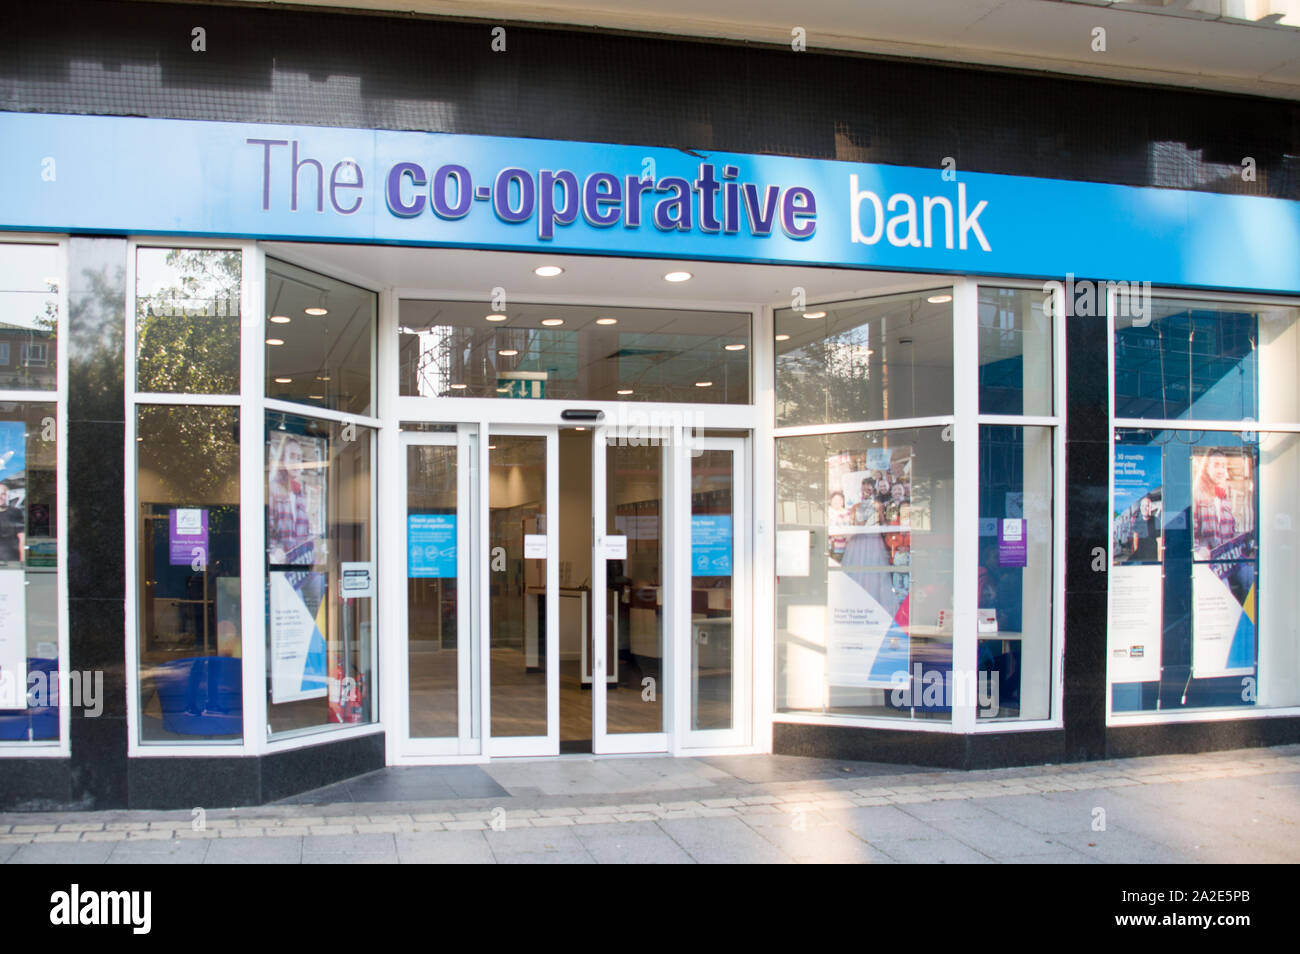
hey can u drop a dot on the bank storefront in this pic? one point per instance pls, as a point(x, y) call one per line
point(442, 448)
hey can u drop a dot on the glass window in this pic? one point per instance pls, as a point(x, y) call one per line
point(864, 574)
point(1014, 606)
point(572, 352)
point(1203, 600)
point(1015, 352)
point(320, 573)
point(320, 335)
point(187, 320)
point(29, 312)
point(869, 360)
point(29, 665)
point(1203, 594)
point(1203, 361)
point(188, 599)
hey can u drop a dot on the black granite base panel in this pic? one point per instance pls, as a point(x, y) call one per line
point(177, 783)
point(35, 785)
point(1137, 740)
point(301, 770)
point(931, 749)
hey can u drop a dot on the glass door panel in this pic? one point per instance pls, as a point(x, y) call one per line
point(441, 663)
point(718, 625)
point(629, 503)
point(523, 620)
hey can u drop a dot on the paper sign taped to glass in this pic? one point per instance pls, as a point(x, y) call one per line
point(1136, 603)
point(298, 659)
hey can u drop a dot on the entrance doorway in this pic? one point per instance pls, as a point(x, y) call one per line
point(572, 590)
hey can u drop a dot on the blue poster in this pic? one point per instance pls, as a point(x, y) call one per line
point(1138, 520)
point(431, 545)
point(711, 544)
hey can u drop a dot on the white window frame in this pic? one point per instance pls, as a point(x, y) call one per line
point(62, 747)
point(965, 422)
point(252, 405)
point(1212, 713)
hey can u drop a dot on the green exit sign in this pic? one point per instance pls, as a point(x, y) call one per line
point(521, 384)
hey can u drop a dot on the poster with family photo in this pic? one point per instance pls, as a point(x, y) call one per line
point(869, 538)
point(295, 499)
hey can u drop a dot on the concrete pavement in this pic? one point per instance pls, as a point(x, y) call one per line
point(1241, 806)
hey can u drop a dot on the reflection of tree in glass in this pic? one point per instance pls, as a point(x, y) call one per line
point(827, 379)
point(191, 452)
point(187, 333)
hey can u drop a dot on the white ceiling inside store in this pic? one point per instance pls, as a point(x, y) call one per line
point(472, 275)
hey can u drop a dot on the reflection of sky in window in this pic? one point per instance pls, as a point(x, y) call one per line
point(28, 284)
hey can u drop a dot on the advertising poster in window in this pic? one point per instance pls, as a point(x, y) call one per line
point(298, 626)
point(13, 492)
point(1137, 576)
point(13, 527)
point(296, 467)
point(1225, 549)
point(869, 532)
point(1139, 505)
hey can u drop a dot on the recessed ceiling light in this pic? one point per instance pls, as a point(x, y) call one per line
point(579, 428)
point(552, 322)
point(316, 312)
point(503, 390)
point(704, 384)
point(678, 277)
point(507, 352)
point(284, 380)
point(813, 315)
point(459, 387)
point(316, 397)
point(496, 317)
point(275, 341)
point(548, 271)
point(280, 319)
point(625, 391)
point(733, 347)
point(606, 321)
point(322, 377)
point(782, 337)
point(492, 447)
point(140, 439)
point(939, 299)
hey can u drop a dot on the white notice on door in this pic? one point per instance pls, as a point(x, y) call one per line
point(616, 548)
point(534, 546)
point(792, 552)
point(358, 580)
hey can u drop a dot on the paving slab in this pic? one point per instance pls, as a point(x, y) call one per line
point(722, 841)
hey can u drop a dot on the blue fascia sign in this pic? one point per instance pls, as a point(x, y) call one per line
point(309, 183)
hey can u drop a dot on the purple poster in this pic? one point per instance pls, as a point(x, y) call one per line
point(188, 531)
point(1012, 544)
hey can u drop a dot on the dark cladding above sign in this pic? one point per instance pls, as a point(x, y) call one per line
point(143, 176)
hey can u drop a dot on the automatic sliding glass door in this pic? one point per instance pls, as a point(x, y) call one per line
point(520, 558)
point(631, 654)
